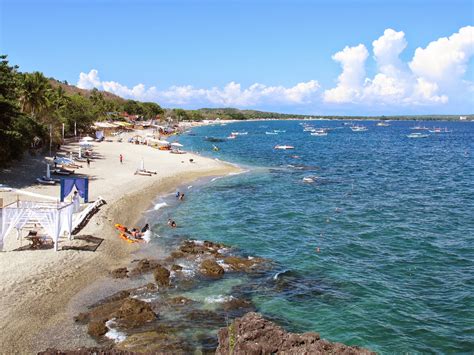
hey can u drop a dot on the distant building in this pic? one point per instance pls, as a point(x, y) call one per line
point(462, 118)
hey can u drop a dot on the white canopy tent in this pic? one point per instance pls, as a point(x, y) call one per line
point(55, 218)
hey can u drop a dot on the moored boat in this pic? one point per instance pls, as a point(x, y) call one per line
point(283, 147)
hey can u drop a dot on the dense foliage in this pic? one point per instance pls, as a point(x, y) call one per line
point(33, 106)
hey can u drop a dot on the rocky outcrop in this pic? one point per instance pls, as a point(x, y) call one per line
point(162, 275)
point(254, 335)
point(129, 313)
point(237, 263)
point(96, 329)
point(210, 267)
point(144, 266)
point(134, 313)
point(119, 273)
point(195, 247)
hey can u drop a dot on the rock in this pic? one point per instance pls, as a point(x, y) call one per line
point(206, 247)
point(210, 267)
point(237, 303)
point(153, 342)
point(177, 254)
point(206, 318)
point(180, 301)
point(175, 267)
point(134, 313)
point(144, 266)
point(151, 286)
point(119, 273)
point(252, 334)
point(97, 329)
point(162, 275)
point(242, 264)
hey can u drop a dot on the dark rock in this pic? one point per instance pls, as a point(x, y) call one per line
point(210, 267)
point(153, 342)
point(242, 264)
point(97, 329)
point(180, 301)
point(206, 247)
point(151, 286)
point(206, 318)
point(162, 275)
point(177, 254)
point(144, 266)
point(252, 334)
point(237, 303)
point(134, 313)
point(175, 267)
point(119, 273)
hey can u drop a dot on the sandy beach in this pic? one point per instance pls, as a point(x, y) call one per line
point(37, 286)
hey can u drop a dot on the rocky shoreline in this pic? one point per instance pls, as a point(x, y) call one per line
point(157, 318)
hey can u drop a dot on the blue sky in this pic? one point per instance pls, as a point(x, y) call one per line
point(212, 53)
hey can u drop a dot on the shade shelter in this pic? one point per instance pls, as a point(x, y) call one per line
point(54, 217)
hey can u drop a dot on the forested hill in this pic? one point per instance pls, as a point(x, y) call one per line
point(236, 114)
point(71, 90)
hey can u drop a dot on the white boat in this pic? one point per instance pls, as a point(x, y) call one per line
point(439, 130)
point(417, 135)
point(231, 137)
point(383, 124)
point(239, 133)
point(274, 133)
point(279, 131)
point(284, 147)
point(308, 179)
point(319, 134)
point(358, 128)
point(419, 128)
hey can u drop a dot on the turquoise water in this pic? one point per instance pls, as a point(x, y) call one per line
point(393, 219)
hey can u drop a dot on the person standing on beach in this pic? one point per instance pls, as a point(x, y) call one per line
point(121, 159)
point(88, 163)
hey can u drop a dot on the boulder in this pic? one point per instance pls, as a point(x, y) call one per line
point(210, 267)
point(237, 303)
point(180, 301)
point(153, 342)
point(253, 334)
point(134, 313)
point(176, 267)
point(144, 266)
point(97, 329)
point(162, 275)
point(238, 263)
point(119, 273)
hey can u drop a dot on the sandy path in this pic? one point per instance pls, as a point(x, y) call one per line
point(36, 286)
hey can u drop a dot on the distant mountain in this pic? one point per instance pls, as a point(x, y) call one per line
point(71, 89)
point(236, 114)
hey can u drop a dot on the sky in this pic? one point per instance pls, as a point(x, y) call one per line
point(336, 57)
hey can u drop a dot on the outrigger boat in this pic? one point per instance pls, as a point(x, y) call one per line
point(284, 147)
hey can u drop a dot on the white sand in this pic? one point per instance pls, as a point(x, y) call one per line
point(37, 286)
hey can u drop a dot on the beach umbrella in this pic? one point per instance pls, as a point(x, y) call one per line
point(87, 139)
point(176, 144)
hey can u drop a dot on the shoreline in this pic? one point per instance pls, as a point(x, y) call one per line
point(35, 311)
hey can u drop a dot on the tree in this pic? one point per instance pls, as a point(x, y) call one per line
point(34, 93)
point(133, 107)
point(151, 110)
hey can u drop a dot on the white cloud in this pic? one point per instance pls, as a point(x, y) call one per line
point(231, 94)
point(350, 81)
point(445, 59)
point(434, 74)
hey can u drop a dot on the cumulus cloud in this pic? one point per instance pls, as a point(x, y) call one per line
point(428, 78)
point(433, 75)
point(349, 84)
point(231, 94)
point(445, 59)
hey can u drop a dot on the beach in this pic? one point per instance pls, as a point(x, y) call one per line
point(38, 285)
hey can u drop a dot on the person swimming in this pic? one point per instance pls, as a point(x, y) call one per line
point(171, 223)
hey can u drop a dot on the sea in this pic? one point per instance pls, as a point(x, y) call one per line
point(370, 234)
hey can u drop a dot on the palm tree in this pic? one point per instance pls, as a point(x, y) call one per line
point(34, 93)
